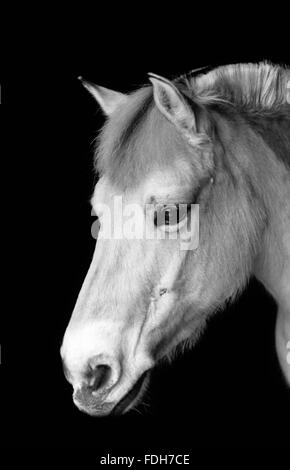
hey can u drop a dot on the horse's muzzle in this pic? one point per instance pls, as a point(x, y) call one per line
point(89, 401)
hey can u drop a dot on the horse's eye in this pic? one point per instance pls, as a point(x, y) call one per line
point(167, 217)
point(170, 215)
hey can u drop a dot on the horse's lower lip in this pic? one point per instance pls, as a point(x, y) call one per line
point(103, 410)
point(123, 404)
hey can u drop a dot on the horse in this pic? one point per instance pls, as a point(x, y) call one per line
point(217, 140)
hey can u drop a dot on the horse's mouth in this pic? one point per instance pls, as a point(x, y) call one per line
point(132, 396)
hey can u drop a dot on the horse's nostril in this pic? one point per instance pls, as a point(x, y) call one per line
point(98, 377)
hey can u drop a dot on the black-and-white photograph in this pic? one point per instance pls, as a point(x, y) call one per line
point(148, 312)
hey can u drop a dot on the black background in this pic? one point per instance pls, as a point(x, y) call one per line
point(228, 391)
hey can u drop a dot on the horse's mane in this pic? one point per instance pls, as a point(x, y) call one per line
point(253, 87)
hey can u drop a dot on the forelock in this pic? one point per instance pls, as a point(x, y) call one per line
point(135, 140)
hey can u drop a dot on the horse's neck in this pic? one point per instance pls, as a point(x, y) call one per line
point(273, 263)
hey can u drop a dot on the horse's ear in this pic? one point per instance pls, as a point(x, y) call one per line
point(172, 104)
point(109, 100)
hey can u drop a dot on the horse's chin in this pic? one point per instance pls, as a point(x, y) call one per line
point(133, 396)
